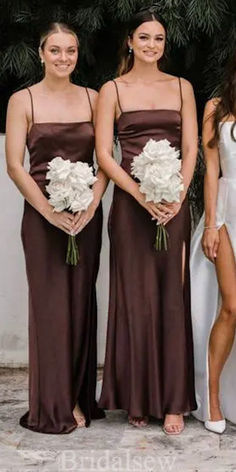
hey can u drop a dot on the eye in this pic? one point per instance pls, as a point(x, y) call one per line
point(143, 37)
point(54, 51)
point(72, 51)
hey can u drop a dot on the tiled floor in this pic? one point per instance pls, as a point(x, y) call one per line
point(108, 445)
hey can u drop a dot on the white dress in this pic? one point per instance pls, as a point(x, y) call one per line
point(205, 296)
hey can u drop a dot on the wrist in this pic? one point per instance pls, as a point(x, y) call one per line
point(94, 204)
point(136, 193)
point(210, 227)
point(47, 212)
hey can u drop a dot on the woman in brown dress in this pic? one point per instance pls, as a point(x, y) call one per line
point(149, 354)
point(55, 118)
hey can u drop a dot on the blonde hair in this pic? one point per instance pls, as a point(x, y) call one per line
point(56, 28)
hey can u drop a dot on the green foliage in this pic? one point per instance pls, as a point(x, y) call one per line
point(201, 39)
point(193, 26)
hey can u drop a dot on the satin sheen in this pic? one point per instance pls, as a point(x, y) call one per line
point(206, 300)
point(149, 353)
point(62, 298)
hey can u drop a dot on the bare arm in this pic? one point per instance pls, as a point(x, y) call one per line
point(210, 240)
point(16, 132)
point(106, 113)
point(82, 218)
point(189, 144)
point(101, 184)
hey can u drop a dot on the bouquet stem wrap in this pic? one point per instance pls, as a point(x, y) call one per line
point(157, 168)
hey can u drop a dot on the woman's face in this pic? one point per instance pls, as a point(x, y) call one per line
point(148, 42)
point(60, 54)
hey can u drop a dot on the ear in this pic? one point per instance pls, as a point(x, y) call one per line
point(40, 54)
point(130, 42)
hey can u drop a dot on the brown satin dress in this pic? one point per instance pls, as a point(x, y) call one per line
point(62, 298)
point(149, 354)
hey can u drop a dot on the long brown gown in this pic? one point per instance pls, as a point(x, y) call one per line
point(62, 298)
point(149, 354)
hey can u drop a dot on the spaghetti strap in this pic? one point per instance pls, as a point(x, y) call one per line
point(118, 97)
point(181, 94)
point(90, 104)
point(32, 104)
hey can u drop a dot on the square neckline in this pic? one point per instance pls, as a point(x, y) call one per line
point(58, 123)
point(146, 110)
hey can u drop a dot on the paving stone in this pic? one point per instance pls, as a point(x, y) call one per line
point(108, 445)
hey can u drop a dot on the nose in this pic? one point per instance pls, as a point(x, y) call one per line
point(151, 43)
point(63, 56)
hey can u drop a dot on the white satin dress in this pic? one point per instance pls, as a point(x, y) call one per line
point(205, 296)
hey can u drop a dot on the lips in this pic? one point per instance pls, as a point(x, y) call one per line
point(62, 66)
point(150, 53)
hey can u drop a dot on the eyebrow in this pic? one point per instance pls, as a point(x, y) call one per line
point(158, 34)
point(68, 47)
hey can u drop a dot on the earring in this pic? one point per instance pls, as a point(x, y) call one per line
point(130, 50)
point(42, 61)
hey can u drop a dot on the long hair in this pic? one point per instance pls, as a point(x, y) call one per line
point(56, 28)
point(142, 16)
point(226, 106)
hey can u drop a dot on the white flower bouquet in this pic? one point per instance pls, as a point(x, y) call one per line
point(69, 189)
point(158, 170)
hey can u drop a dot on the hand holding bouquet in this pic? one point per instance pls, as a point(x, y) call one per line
point(158, 170)
point(70, 189)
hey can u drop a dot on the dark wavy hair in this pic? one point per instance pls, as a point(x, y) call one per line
point(141, 16)
point(226, 105)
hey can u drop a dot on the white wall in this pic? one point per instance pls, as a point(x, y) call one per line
point(13, 285)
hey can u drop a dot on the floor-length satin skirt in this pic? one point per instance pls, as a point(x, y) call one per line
point(149, 358)
point(62, 324)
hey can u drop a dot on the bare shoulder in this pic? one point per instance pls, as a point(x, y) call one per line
point(18, 99)
point(108, 86)
point(19, 104)
point(211, 105)
point(93, 93)
point(108, 91)
point(186, 86)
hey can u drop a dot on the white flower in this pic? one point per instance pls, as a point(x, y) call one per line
point(60, 194)
point(81, 200)
point(81, 175)
point(158, 170)
point(59, 169)
point(69, 185)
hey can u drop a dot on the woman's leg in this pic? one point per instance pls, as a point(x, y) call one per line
point(223, 331)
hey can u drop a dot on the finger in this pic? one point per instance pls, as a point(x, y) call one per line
point(158, 214)
point(69, 216)
point(82, 226)
point(68, 225)
point(215, 248)
point(211, 253)
point(165, 209)
point(77, 217)
point(64, 229)
point(154, 216)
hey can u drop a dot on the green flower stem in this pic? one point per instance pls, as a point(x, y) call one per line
point(68, 250)
point(161, 238)
point(72, 256)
